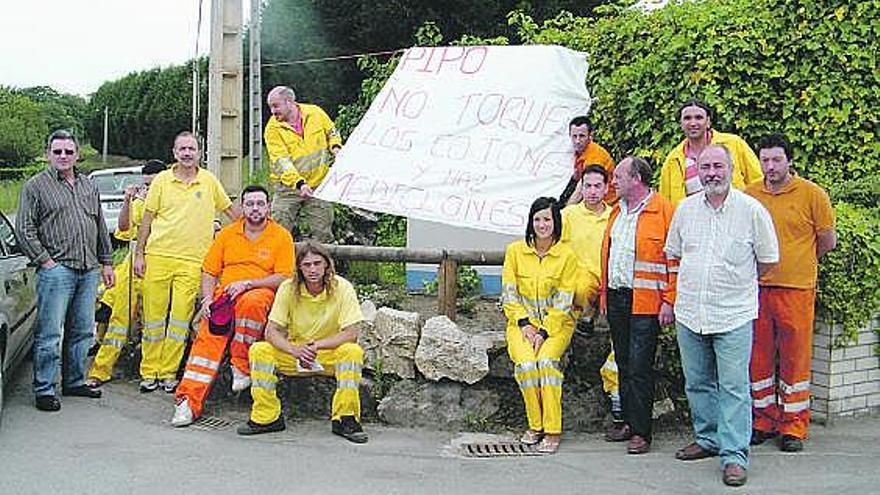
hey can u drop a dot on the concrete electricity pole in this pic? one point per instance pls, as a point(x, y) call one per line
point(255, 148)
point(225, 94)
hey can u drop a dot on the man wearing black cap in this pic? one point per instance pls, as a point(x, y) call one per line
point(246, 263)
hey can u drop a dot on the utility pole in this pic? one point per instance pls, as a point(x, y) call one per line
point(225, 94)
point(255, 148)
point(106, 130)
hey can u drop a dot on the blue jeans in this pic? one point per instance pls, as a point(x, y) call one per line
point(716, 372)
point(65, 299)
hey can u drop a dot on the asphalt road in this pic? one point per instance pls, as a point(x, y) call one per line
point(123, 443)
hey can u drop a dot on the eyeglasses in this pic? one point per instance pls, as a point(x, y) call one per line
point(66, 152)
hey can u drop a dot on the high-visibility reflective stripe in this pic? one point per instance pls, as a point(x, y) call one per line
point(178, 323)
point(248, 323)
point(242, 337)
point(152, 338)
point(549, 363)
point(348, 366)
point(764, 402)
point(266, 384)
point(311, 164)
point(762, 384)
point(120, 331)
point(154, 324)
point(282, 165)
point(796, 406)
point(117, 343)
point(673, 269)
point(176, 336)
point(562, 301)
point(198, 377)
point(204, 362)
point(642, 283)
point(347, 384)
point(530, 383)
point(645, 266)
point(797, 387)
point(525, 367)
point(264, 367)
point(551, 381)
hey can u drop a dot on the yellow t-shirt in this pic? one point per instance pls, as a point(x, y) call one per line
point(583, 231)
point(183, 214)
point(309, 318)
point(135, 215)
point(800, 211)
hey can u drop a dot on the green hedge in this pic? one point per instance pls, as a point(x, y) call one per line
point(807, 69)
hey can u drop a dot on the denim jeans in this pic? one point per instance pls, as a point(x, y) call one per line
point(635, 344)
point(716, 372)
point(65, 299)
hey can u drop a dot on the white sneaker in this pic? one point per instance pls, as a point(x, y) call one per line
point(169, 384)
point(240, 381)
point(148, 385)
point(183, 415)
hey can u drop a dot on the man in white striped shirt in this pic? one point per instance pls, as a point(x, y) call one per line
point(723, 238)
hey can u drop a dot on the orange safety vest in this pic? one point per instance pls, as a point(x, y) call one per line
point(654, 276)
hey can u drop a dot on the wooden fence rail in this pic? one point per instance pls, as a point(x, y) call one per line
point(447, 275)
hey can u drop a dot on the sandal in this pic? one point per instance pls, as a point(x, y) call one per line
point(549, 445)
point(93, 382)
point(531, 437)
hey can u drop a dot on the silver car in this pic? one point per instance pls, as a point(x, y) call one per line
point(111, 184)
point(18, 304)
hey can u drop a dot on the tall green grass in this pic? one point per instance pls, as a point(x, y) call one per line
point(9, 191)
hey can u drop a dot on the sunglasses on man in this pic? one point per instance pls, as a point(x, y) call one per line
point(66, 152)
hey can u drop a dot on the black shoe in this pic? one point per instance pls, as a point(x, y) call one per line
point(251, 428)
point(47, 403)
point(791, 443)
point(759, 437)
point(93, 350)
point(348, 428)
point(81, 391)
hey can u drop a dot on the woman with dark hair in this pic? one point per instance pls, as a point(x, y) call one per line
point(538, 283)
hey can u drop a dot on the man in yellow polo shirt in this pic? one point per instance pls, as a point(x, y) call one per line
point(583, 228)
point(301, 141)
point(679, 177)
point(313, 328)
point(175, 234)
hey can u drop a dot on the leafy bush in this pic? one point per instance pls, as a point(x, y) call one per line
point(22, 128)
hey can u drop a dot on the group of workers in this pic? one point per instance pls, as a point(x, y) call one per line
point(726, 249)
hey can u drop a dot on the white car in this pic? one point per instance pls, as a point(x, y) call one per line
point(111, 184)
point(18, 304)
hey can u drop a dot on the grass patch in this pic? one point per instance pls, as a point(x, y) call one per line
point(9, 191)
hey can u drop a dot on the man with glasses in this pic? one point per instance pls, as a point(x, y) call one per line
point(62, 231)
point(246, 263)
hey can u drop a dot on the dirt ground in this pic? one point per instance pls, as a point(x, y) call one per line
point(481, 314)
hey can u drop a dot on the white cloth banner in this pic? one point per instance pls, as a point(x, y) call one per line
point(466, 136)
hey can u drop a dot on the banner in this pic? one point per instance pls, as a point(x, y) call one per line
point(465, 135)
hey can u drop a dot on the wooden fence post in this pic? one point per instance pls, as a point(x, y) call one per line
point(447, 284)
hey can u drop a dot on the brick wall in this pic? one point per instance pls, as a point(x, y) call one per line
point(846, 381)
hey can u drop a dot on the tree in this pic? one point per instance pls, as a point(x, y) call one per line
point(22, 128)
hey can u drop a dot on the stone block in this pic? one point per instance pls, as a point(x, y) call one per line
point(868, 337)
point(820, 379)
point(868, 363)
point(855, 377)
point(368, 308)
point(858, 351)
point(874, 374)
point(445, 351)
point(874, 400)
point(821, 365)
point(837, 355)
point(842, 366)
point(820, 391)
point(444, 405)
point(854, 404)
point(841, 392)
point(866, 388)
point(821, 341)
point(834, 407)
point(392, 340)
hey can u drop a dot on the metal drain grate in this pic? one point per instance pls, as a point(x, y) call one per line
point(497, 450)
point(211, 423)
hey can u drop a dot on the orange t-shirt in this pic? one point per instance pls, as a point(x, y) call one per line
point(234, 257)
point(800, 211)
point(595, 154)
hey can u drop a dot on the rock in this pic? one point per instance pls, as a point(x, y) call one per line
point(445, 351)
point(390, 343)
point(662, 408)
point(444, 405)
point(369, 311)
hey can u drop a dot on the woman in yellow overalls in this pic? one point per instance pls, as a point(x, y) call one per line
point(538, 285)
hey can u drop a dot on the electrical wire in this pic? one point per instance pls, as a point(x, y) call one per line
point(330, 59)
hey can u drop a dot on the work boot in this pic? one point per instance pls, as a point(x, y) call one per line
point(348, 428)
point(47, 403)
point(81, 391)
point(183, 415)
point(240, 381)
point(148, 385)
point(790, 443)
point(252, 428)
point(759, 437)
